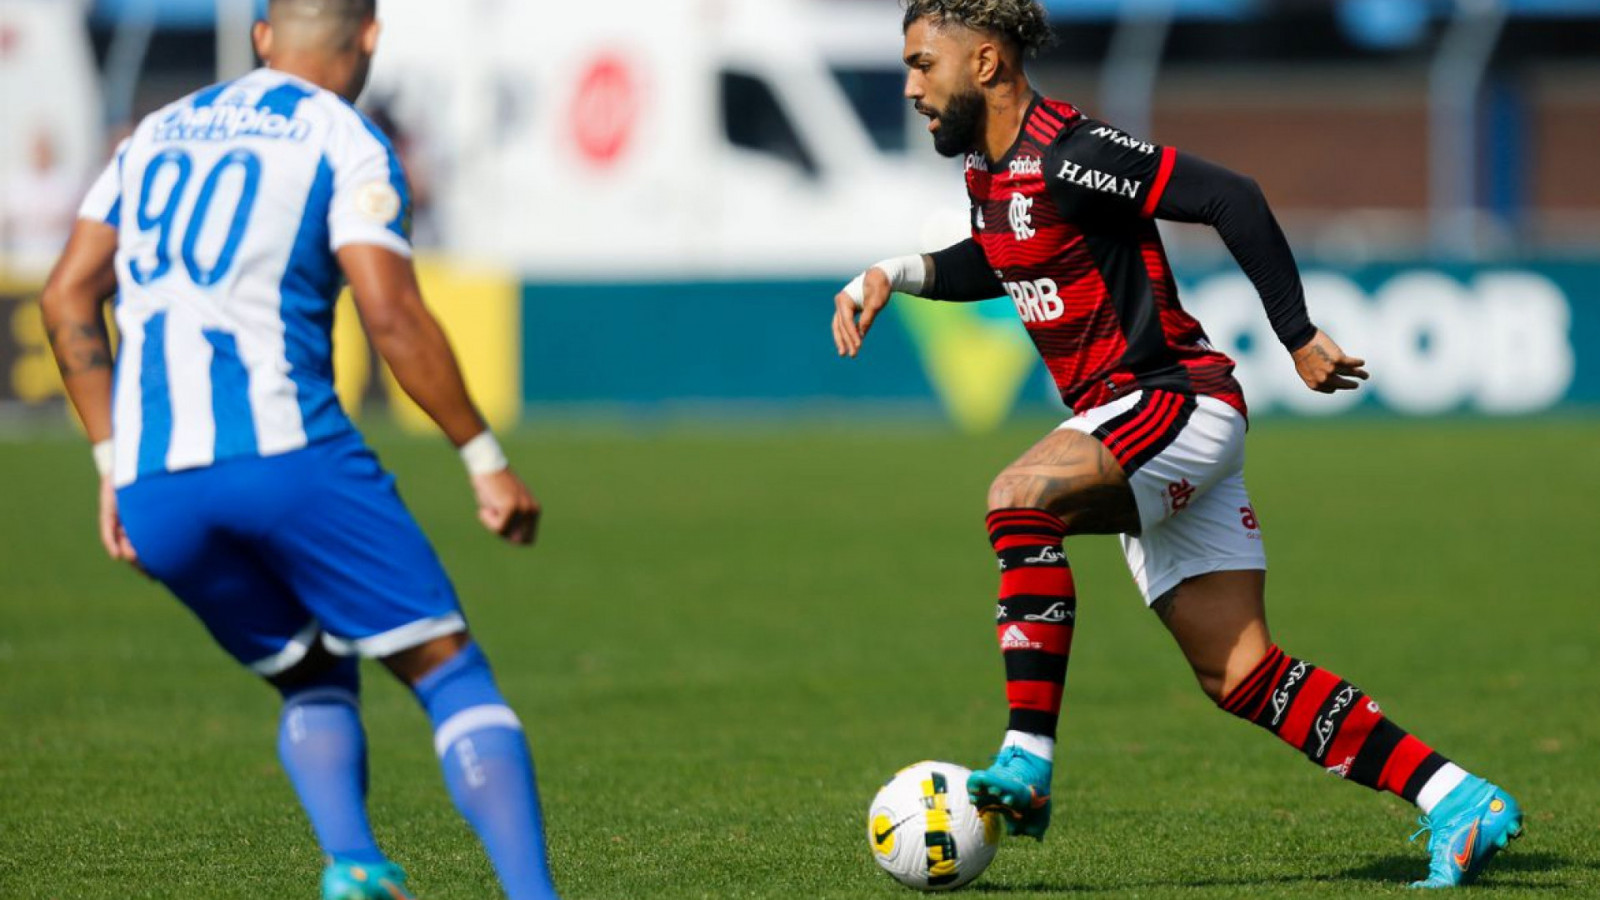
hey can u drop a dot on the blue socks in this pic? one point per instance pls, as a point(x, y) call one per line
point(488, 770)
point(485, 758)
point(324, 750)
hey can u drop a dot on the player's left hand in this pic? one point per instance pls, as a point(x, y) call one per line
point(847, 332)
point(506, 506)
point(112, 537)
point(1325, 368)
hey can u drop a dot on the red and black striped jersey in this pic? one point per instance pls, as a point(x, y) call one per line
point(1066, 222)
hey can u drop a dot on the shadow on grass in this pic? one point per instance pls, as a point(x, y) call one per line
point(1394, 871)
point(1504, 871)
point(1121, 887)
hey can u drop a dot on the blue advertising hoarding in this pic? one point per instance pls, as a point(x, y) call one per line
point(1439, 339)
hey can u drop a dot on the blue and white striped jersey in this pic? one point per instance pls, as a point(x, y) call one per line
point(229, 206)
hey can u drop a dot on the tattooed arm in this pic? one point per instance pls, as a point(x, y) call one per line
point(75, 324)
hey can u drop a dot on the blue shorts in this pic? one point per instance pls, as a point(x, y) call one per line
point(275, 553)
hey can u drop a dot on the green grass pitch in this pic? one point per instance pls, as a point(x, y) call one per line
point(726, 640)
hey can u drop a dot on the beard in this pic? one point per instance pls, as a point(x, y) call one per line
point(959, 124)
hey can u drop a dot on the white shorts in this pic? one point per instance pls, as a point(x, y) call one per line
point(1184, 457)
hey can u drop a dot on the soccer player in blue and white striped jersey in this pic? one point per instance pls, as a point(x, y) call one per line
point(224, 227)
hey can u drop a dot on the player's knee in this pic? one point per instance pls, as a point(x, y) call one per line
point(1012, 490)
point(1019, 490)
point(319, 668)
point(1005, 492)
point(416, 663)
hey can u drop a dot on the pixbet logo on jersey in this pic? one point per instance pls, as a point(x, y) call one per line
point(1037, 300)
point(1027, 165)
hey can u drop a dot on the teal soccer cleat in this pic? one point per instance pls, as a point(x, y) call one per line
point(1470, 825)
point(364, 881)
point(1017, 785)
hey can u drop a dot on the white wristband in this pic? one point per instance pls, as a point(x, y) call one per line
point(907, 274)
point(103, 456)
point(482, 455)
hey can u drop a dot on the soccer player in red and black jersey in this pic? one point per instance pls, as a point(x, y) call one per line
point(1063, 222)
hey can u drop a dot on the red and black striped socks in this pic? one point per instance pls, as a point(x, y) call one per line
point(1034, 620)
point(1338, 727)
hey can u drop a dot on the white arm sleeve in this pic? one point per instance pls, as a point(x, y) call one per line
point(104, 200)
point(371, 201)
point(907, 275)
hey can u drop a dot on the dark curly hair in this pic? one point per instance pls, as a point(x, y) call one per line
point(1021, 22)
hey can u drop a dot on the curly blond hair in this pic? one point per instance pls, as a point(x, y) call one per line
point(1022, 22)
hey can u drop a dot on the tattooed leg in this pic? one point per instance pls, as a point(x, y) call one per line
point(1072, 476)
point(1067, 483)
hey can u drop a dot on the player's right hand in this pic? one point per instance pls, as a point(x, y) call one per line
point(506, 506)
point(112, 537)
point(1325, 368)
point(848, 333)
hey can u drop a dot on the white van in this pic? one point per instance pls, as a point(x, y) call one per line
point(638, 139)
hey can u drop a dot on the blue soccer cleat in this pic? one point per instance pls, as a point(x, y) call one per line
point(364, 881)
point(1470, 825)
point(1017, 785)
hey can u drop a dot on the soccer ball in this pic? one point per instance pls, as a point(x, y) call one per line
point(925, 832)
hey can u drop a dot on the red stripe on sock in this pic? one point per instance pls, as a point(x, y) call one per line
point(1025, 539)
point(1277, 676)
point(1353, 732)
point(1407, 755)
point(1303, 709)
point(1040, 581)
point(1025, 517)
point(1252, 681)
point(1040, 696)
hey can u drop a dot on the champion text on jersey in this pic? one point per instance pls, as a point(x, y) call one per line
point(225, 122)
point(1022, 216)
point(1122, 140)
point(1094, 179)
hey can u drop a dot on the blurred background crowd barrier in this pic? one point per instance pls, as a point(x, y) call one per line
point(644, 207)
